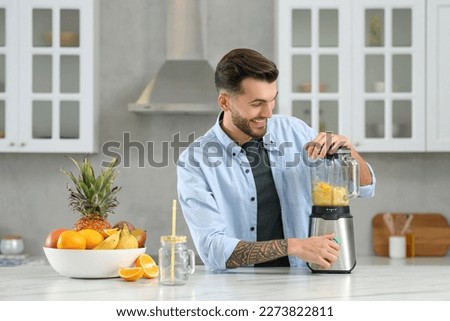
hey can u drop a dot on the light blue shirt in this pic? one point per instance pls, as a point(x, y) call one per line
point(217, 192)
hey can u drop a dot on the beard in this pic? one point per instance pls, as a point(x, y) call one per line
point(244, 125)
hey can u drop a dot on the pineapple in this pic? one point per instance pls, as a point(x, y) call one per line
point(93, 197)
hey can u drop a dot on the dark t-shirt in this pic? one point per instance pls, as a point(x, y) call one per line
point(269, 223)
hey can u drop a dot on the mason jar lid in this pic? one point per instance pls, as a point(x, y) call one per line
point(173, 239)
point(12, 237)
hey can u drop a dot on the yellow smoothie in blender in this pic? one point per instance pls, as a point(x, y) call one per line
point(325, 194)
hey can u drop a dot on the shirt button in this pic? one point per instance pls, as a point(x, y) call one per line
point(252, 199)
point(234, 154)
point(252, 228)
point(247, 171)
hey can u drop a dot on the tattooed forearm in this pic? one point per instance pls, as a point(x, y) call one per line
point(249, 253)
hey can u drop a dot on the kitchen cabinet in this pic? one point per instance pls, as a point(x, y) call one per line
point(389, 75)
point(365, 69)
point(438, 75)
point(48, 76)
point(314, 59)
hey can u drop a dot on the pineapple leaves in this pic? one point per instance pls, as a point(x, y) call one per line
point(76, 163)
point(71, 176)
point(87, 172)
point(92, 195)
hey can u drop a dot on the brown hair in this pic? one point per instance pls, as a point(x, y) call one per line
point(240, 64)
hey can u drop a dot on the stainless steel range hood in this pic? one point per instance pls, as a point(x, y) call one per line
point(185, 81)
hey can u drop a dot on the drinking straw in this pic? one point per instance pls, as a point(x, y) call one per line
point(174, 217)
point(172, 256)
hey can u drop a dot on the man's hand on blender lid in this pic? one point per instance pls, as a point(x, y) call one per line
point(326, 143)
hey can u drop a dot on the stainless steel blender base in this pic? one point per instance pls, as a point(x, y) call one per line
point(318, 269)
point(343, 228)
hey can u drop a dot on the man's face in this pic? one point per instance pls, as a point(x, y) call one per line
point(251, 109)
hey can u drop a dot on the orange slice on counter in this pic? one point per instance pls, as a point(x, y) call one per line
point(131, 273)
point(145, 261)
point(151, 272)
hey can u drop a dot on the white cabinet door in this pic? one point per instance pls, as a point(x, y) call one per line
point(313, 57)
point(438, 75)
point(380, 54)
point(9, 78)
point(389, 75)
point(52, 102)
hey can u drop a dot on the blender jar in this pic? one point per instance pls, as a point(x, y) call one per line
point(335, 179)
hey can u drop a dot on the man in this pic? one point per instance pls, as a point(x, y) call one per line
point(245, 187)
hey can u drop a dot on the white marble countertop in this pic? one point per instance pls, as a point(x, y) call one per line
point(374, 278)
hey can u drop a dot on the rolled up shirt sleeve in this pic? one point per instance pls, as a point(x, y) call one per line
point(207, 225)
point(368, 191)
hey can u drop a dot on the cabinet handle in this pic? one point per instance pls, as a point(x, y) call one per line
point(22, 144)
point(11, 144)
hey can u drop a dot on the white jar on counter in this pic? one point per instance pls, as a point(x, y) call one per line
point(397, 247)
point(11, 244)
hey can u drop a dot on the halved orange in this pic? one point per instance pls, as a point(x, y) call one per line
point(151, 272)
point(131, 273)
point(145, 261)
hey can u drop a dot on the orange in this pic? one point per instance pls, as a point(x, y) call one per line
point(145, 261)
point(71, 240)
point(52, 237)
point(131, 273)
point(151, 272)
point(93, 237)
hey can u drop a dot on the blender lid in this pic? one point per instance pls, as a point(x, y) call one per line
point(339, 152)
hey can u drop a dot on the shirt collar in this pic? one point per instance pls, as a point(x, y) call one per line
point(268, 139)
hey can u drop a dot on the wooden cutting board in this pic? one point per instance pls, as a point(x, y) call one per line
point(431, 230)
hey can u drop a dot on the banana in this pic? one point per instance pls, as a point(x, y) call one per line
point(127, 241)
point(110, 243)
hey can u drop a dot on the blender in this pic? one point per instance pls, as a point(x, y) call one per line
point(334, 181)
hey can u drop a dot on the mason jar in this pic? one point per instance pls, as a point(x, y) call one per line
point(175, 260)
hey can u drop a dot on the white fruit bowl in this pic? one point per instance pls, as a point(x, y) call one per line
point(91, 263)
